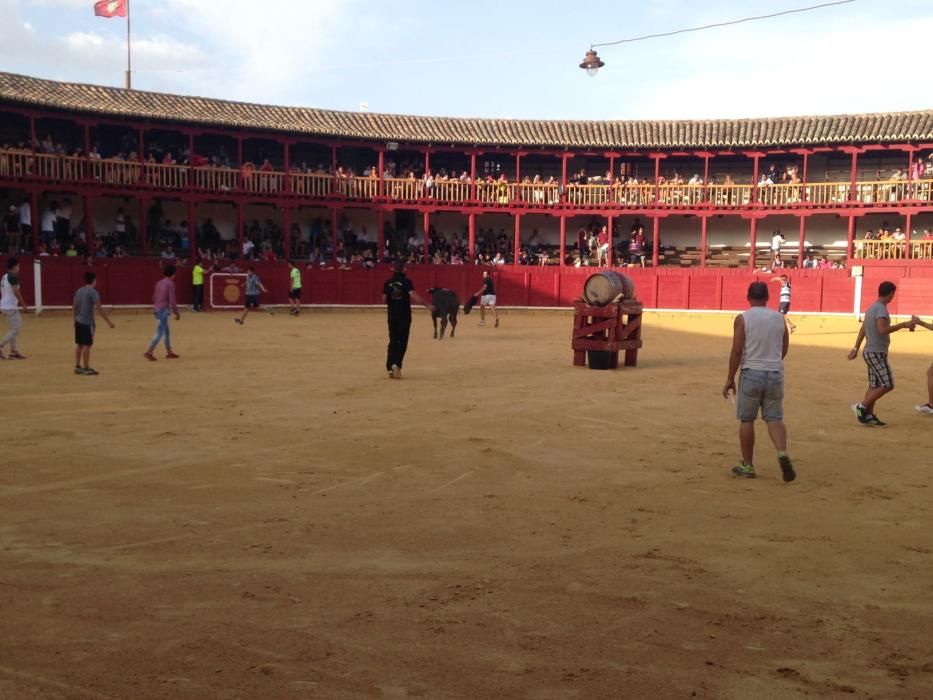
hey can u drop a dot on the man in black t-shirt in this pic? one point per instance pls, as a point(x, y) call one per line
point(398, 292)
point(487, 297)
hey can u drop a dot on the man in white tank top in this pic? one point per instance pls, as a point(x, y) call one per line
point(759, 344)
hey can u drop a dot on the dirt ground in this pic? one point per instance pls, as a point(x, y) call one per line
point(270, 517)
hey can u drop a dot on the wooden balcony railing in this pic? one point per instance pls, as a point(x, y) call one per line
point(880, 250)
point(17, 163)
point(312, 185)
point(921, 250)
point(215, 179)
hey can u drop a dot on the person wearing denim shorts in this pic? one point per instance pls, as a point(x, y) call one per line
point(759, 345)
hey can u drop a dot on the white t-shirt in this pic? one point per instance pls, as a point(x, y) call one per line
point(8, 300)
point(119, 224)
point(776, 242)
point(785, 292)
point(25, 215)
point(64, 211)
point(48, 220)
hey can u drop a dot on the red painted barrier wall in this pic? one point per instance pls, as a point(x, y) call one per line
point(130, 281)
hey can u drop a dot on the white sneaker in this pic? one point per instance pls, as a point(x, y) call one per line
point(482, 323)
point(396, 371)
point(924, 408)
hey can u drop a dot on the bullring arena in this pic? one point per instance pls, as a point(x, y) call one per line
point(269, 517)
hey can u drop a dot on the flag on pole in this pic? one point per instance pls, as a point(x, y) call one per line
point(110, 8)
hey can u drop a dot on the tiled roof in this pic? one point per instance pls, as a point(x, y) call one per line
point(712, 133)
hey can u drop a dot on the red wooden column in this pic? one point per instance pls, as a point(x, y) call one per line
point(427, 236)
point(334, 222)
point(239, 229)
point(704, 243)
point(380, 233)
point(88, 223)
point(802, 241)
point(427, 160)
point(609, 220)
point(381, 164)
point(563, 240)
point(563, 174)
point(854, 176)
point(472, 179)
point(657, 175)
point(655, 241)
point(288, 168)
point(804, 197)
point(471, 227)
point(850, 237)
point(87, 140)
point(910, 178)
point(142, 155)
point(908, 222)
point(143, 228)
point(287, 232)
point(518, 167)
point(705, 198)
point(192, 231)
point(753, 242)
point(36, 221)
point(333, 169)
point(756, 158)
point(517, 243)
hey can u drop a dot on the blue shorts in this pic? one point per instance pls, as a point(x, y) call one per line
point(760, 390)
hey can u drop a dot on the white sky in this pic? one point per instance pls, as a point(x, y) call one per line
point(492, 58)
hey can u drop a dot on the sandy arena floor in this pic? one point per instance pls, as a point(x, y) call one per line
point(270, 517)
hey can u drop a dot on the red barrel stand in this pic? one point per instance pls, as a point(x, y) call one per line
point(609, 328)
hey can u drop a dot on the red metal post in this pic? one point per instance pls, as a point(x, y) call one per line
point(192, 230)
point(240, 233)
point(380, 232)
point(656, 241)
point(381, 164)
point(471, 226)
point(427, 236)
point(517, 243)
point(704, 244)
point(803, 240)
point(563, 240)
point(753, 242)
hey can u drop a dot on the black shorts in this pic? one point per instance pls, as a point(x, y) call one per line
point(252, 301)
point(84, 334)
point(295, 293)
point(784, 307)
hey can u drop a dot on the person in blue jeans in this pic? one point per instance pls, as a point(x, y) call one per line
point(759, 344)
point(163, 305)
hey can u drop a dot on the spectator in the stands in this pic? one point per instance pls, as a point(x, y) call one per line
point(168, 253)
point(777, 240)
point(809, 262)
point(72, 252)
point(636, 249)
point(63, 222)
point(499, 259)
point(47, 222)
point(899, 235)
point(869, 236)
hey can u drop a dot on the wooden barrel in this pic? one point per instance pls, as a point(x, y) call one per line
point(607, 287)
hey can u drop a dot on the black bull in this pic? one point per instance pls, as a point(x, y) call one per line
point(446, 305)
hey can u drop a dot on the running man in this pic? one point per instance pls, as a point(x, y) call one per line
point(784, 305)
point(253, 289)
point(163, 304)
point(759, 346)
point(10, 300)
point(86, 302)
point(487, 297)
point(926, 408)
point(876, 330)
point(294, 292)
point(397, 293)
point(197, 285)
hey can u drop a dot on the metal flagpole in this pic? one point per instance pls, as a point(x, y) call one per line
point(129, 85)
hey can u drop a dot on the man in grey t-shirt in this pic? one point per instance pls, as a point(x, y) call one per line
point(877, 330)
point(86, 302)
